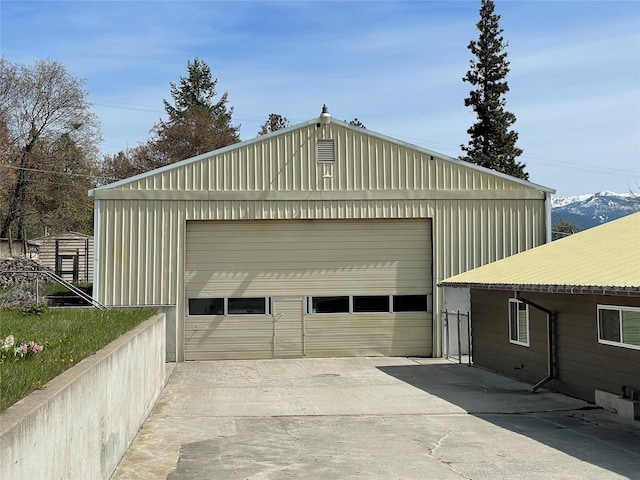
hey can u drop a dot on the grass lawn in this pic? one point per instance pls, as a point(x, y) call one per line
point(67, 334)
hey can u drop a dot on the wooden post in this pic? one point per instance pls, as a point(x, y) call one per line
point(10, 244)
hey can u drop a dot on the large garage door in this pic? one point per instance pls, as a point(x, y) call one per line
point(318, 288)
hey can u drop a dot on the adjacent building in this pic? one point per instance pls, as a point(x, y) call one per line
point(565, 315)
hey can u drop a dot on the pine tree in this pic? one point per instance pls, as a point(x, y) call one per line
point(274, 123)
point(197, 123)
point(493, 143)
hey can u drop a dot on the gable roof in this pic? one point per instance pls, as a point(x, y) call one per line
point(603, 259)
point(304, 125)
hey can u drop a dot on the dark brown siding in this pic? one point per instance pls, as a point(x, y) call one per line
point(491, 346)
point(582, 364)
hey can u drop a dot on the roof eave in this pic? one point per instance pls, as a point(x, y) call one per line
point(550, 288)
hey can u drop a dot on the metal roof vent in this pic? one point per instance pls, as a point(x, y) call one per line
point(325, 150)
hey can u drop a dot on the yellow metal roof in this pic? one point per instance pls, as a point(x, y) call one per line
point(603, 259)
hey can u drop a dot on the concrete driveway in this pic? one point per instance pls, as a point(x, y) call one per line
point(372, 418)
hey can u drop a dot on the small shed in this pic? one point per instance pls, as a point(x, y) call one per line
point(69, 255)
point(322, 239)
point(565, 315)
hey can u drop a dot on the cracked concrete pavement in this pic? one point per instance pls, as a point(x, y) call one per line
point(372, 418)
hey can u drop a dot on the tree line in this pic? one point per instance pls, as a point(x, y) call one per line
point(50, 138)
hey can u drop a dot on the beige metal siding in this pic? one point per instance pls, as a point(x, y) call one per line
point(68, 244)
point(287, 163)
point(141, 241)
point(476, 216)
point(311, 258)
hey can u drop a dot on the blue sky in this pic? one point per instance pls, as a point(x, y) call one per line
point(397, 66)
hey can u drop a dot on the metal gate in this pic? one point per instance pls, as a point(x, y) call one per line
point(456, 335)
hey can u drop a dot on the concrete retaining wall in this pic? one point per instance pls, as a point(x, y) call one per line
point(82, 422)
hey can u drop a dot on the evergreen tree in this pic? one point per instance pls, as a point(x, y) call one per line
point(197, 123)
point(562, 227)
point(274, 122)
point(493, 143)
point(357, 123)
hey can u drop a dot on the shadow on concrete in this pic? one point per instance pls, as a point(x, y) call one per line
point(566, 424)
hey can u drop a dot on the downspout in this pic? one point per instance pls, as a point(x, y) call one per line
point(551, 319)
point(547, 215)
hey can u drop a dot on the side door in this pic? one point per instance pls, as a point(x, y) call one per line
point(288, 327)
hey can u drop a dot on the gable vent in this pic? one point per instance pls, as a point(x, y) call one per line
point(325, 151)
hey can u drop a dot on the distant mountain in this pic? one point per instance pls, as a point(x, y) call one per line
point(589, 210)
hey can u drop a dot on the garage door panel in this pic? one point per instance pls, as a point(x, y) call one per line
point(368, 321)
point(370, 349)
point(230, 259)
point(203, 355)
point(369, 334)
point(221, 337)
point(283, 285)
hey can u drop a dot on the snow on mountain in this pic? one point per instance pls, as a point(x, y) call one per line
point(589, 210)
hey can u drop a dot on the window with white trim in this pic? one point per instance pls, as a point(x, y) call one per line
point(369, 304)
point(335, 304)
point(518, 322)
point(230, 306)
point(206, 306)
point(619, 326)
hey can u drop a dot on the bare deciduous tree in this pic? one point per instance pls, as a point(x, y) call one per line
point(41, 105)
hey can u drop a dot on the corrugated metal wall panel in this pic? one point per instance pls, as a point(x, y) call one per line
point(288, 163)
point(147, 235)
point(469, 234)
point(138, 250)
point(142, 236)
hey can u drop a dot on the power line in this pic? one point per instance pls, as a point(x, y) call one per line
point(562, 164)
point(620, 172)
point(46, 182)
point(95, 178)
point(53, 172)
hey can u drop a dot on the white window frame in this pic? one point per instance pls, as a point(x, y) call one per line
point(226, 313)
point(619, 309)
point(518, 341)
point(351, 311)
point(309, 303)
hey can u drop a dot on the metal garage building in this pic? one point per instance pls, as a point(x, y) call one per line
point(322, 239)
